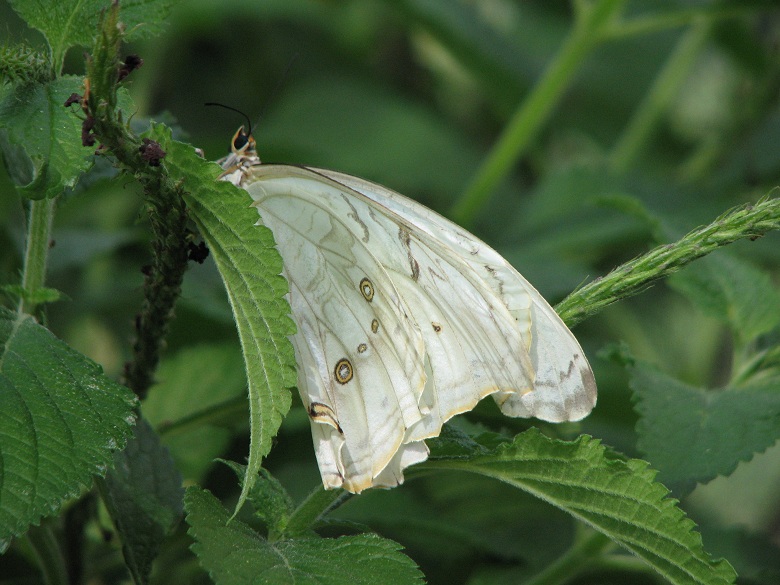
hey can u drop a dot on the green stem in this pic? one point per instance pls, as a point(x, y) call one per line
point(317, 503)
point(656, 102)
point(675, 18)
point(37, 253)
point(214, 415)
point(48, 555)
point(537, 107)
point(574, 561)
point(751, 221)
point(162, 286)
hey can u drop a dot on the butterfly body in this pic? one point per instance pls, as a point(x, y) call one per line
point(404, 320)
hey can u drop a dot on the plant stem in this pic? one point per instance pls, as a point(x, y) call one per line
point(216, 414)
point(659, 21)
point(536, 108)
point(750, 221)
point(48, 554)
point(656, 102)
point(574, 561)
point(162, 285)
point(37, 253)
point(317, 503)
point(163, 198)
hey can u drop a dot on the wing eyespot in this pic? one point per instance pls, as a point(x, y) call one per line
point(367, 289)
point(343, 371)
point(362, 348)
point(436, 327)
point(374, 326)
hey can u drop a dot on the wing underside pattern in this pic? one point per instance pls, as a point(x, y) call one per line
point(405, 320)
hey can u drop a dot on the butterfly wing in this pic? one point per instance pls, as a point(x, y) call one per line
point(564, 388)
point(385, 291)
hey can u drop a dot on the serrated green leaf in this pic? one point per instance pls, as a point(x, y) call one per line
point(251, 268)
point(43, 144)
point(453, 443)
point(733, 291)
point(620, 499)
point(197, 389)
point(693, 435)
point(144, 496)
point(272, 504)
point(233, 554)
point(60, 421)
point(68, 24)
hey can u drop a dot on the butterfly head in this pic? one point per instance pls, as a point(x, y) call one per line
point(243, 155)
point(243, 144)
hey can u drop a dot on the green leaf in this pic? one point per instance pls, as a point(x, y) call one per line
point(143, 494)
point(693, 435)
point(453, 443)
point(36, 297)
point(144, 18)
point(250, 267)
point(233, 554)
point(200, 391)
point(272, 504)
point(42, 146)
point(734, 291)
point(617, 498)
point(60, 421)
point(68, 24)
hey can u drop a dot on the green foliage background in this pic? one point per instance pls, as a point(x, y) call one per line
point(671, 120)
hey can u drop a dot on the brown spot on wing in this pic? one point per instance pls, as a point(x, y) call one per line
point(323, 413)
point(406, 239)
point(356, 218)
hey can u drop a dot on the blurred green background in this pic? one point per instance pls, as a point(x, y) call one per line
point(412, 94)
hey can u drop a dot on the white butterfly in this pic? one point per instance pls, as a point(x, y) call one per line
point(404, 320)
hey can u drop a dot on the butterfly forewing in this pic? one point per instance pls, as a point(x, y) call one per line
point(474, 345)
point(564, 387)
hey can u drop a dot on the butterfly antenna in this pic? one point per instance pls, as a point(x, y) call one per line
point(268, 99)
point(248, 121)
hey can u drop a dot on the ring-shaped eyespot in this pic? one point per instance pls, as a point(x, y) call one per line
point(367, 289)
point(343, 371)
